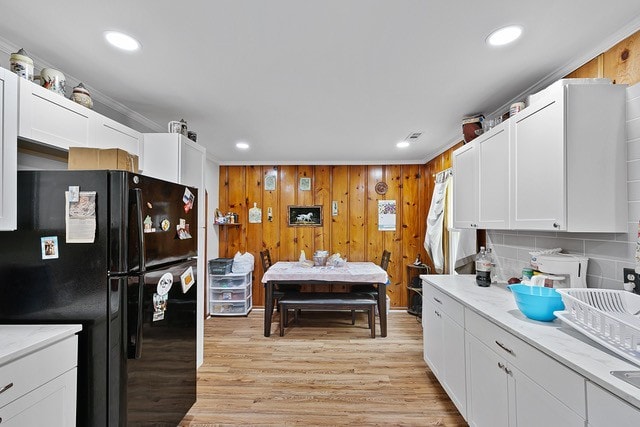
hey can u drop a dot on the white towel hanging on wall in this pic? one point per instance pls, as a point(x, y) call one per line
point(435, 218)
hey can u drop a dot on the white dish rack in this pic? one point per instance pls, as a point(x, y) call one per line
point(610, 317)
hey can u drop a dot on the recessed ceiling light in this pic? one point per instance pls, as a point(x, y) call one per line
point(504, 35)
point(122, 41)
point(242, 145)
point(402, 144)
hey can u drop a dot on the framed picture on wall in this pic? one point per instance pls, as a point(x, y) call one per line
point(270, 182)
point(305, 184)
point(300, 216)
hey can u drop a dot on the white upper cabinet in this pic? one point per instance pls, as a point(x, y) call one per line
point(544, 168)
point(465, 186)
point(569, 160)
point(493, 174)
point(48, 118)
point(111, 134)
point(8, 149)
point(481, 181)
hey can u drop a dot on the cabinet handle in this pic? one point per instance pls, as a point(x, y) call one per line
point(501, 365)
point(437, 314)
point(556, 225)
point(5, 388)
point(508, 350)
point(437, 300)
point(508, 371)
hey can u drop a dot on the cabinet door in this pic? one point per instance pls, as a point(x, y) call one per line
point(487, 390)
point(538, 166)
point(465, 186)
point(52, 404)
point(111, 134)
point(453, 361)
point(48, 118)
point(606, 410)
point(530, 399)
point(494, 175)
point(8, 149)
point(161, 157)
point(432, 338)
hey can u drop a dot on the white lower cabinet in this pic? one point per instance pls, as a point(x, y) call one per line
point(606, 410)
point(443, 320)
point(499, 394)
point(39, 389)
point(508, 381)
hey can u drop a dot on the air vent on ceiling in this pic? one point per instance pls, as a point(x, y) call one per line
point(413, 137)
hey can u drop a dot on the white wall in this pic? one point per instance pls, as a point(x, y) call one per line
point(608, 253)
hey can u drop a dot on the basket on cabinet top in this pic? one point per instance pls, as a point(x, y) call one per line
point(610, 317)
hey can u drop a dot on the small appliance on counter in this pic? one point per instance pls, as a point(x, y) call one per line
point(571, 268)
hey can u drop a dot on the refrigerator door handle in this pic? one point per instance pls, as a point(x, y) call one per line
point(138, 202)
point(137, 353)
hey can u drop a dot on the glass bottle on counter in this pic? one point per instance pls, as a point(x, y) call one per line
point(483, 268)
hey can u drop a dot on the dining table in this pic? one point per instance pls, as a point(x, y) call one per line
point(348, 273)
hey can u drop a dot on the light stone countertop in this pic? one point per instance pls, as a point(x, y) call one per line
point(560, 341)
point(19, 340)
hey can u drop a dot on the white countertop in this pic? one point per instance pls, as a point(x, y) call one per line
point(562, 342)
point(19, 340)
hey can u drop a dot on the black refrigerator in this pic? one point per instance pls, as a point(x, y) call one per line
point(115, 252)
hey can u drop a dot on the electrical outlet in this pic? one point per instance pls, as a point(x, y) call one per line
point(630, 276)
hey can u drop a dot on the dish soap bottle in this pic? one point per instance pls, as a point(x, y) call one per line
point(483, 268)
point(303, 256)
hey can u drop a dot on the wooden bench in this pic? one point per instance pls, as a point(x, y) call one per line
point(327, 301)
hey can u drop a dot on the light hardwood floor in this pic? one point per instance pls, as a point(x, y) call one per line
point(323, 372)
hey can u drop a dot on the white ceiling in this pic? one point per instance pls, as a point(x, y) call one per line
point(312, 81)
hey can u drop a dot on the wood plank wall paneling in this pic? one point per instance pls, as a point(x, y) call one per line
point(353, 231)
point(622, 61)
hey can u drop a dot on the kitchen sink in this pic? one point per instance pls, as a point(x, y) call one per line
point(632, 377)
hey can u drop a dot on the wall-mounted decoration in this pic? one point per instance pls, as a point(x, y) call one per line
point(270, 183)
point(334, 208)
point(255, 214)
point(305, 216)
point(305, 184)
point(381, 188)
point(386, 215)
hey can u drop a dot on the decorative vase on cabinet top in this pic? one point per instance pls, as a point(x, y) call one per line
point(53, 80)
point(82, 96)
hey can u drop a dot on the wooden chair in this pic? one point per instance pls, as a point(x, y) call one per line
point(370, 290)
point(279, 290)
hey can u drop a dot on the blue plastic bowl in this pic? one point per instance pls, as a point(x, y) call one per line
point(537, 302)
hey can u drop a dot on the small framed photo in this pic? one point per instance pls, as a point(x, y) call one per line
point(300, 216)
point(270, 182)
point(305, 184)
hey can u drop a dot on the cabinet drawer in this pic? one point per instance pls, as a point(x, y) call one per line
point(563, 383)
point(605, 409)
point(229, 294)
point(440, 300)
point(35, 369)
point(230, 308)
point(233, 280)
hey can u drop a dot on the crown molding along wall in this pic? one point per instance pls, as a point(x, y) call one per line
point(8, 48)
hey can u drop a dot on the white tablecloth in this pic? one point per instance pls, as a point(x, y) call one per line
point(360, 272)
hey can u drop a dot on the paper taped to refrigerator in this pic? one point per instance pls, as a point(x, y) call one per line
point(80, 217)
